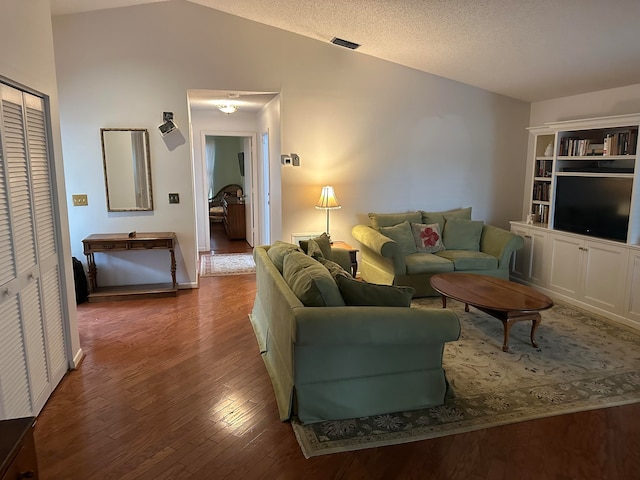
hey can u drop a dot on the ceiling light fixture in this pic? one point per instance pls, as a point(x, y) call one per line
point(228, 108)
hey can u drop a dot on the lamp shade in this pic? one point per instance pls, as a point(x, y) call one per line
point(328, 199)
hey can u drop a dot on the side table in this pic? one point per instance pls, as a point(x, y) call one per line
point(17, 449)
point(352, 254)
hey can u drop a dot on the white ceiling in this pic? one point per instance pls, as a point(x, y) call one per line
point(526, 49)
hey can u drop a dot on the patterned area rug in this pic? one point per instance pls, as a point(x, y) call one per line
point(583, 362)
point(226, 264)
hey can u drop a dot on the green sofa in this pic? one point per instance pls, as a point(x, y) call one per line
point(389, 256)
point(344, 361)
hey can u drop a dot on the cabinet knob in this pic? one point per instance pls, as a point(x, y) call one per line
point(27, 474)
point(527, 236)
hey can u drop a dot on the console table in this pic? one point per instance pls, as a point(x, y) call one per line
point(134, 241)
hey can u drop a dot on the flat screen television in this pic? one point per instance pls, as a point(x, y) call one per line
point(594, 206)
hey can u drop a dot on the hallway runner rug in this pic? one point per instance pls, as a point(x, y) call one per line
point(583, 362)
point(214, 265)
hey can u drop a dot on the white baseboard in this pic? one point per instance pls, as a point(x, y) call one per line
point(77, 359)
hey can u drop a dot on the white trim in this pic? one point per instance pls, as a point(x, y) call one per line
point(77, 359)
point(296, 237)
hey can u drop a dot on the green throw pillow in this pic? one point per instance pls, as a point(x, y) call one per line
point(440, 217)
point(278, 251)
point(310, 281)
point(334, 268)
point(462, 234)
point(359, 293)
point(323, 241)
point(379, 220)
point(314, 250)
point(401, 234)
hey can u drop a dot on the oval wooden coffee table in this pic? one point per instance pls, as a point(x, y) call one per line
point(507, 301)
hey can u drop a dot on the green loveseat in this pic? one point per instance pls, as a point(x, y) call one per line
point(338, 362)
point(389, 256)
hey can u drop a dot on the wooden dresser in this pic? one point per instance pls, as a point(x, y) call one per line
point(234, 218)
point(17, 449)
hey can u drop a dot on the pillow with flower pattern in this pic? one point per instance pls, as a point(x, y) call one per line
point(427, 238)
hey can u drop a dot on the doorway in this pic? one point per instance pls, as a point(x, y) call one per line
point(228, 183)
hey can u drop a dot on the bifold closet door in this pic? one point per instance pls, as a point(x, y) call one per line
point(33, 355)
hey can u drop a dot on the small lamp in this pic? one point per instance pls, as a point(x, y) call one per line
point(328, 201)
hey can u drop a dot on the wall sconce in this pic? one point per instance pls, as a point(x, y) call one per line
point(328, 201)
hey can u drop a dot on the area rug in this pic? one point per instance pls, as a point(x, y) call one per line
point(213, 265)
point(583, 362)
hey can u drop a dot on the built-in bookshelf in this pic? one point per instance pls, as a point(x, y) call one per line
point(541, 190)
point(566, 155)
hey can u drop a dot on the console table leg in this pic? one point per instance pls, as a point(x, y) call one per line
point(91, 272)
point(173, 267)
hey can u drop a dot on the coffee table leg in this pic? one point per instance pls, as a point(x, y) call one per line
point(534, 327)
point(507, 328)
point(444, 301)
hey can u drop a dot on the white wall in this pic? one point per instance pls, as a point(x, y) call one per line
point(388, 138)
point(603, 103)
point(26, 57)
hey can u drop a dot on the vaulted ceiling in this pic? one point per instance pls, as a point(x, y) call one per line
point(530, 50)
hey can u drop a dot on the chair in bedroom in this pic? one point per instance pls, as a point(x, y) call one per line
point(215, 204)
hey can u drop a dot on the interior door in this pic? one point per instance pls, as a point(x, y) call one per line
point(33, 355)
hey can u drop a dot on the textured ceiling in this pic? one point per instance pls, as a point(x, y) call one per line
point(526, 49)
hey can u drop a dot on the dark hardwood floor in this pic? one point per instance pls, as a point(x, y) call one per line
point(175, 388)
point(221, 244)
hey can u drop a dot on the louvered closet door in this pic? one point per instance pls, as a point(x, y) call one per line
point(32, 344)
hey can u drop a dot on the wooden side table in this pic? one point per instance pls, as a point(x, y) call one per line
point(17, 449)
point(352, 254)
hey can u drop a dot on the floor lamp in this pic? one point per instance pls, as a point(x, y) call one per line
point(328, 201)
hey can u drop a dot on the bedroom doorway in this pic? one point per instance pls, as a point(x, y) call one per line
point(228, 182)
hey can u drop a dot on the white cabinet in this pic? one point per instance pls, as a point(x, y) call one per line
point(632, 300)
point(590, 271)
point(528, 264)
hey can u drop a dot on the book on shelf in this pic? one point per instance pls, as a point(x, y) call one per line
point(541, 214)
point(623, 142)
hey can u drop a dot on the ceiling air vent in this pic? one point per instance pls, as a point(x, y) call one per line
point(344, 43)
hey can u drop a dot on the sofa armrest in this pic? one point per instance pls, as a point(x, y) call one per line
point(500, 243)
point(377, 244)
point(375, 326)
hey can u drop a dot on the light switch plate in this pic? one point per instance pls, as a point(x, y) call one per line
point(80, 200)
point(174, 198)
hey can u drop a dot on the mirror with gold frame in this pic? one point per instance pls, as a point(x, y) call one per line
point(127, 169)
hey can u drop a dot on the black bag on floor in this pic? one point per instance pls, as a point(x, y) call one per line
point(80, 279)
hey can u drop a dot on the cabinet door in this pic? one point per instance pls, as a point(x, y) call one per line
point(32, 340)
point(632, 290)
point(566, 265)
point(537, 267)
point(605, 273)
point(520, 260)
